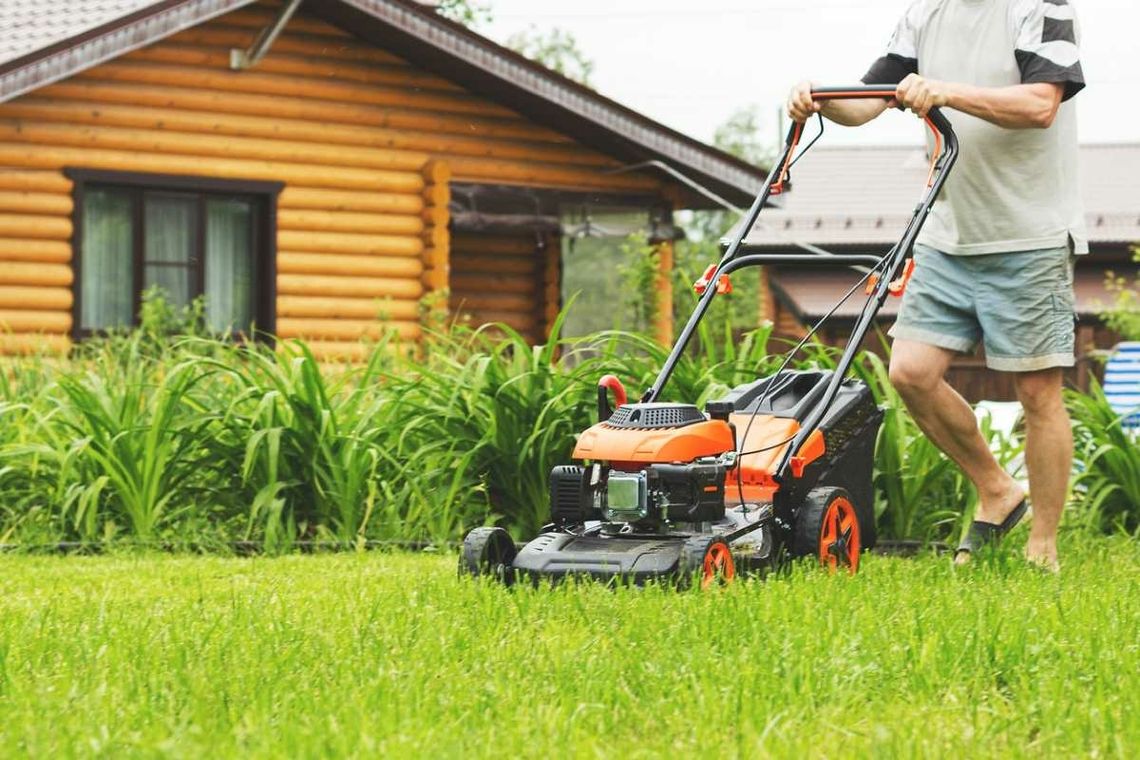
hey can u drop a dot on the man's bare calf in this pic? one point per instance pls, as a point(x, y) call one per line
point(918, 370)
point(1048, 457)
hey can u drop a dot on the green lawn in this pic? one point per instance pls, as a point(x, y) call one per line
point(390, 654)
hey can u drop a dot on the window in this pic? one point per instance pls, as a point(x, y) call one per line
point(189, 236)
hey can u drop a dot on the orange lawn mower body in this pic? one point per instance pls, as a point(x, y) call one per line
point(777, 468)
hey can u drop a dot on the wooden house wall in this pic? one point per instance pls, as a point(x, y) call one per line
point(512, 279)
point(363, 142)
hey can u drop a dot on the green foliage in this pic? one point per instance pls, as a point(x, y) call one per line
point(640, 273)
point(389, 655)
point(1123, 316)
point(160, 319)
point(556, 49)
point(612, 281)
point(1108, 478)
point(742, 136)
point(491, 414)
point(149, 437)
point(735, 312)
point(467, 12)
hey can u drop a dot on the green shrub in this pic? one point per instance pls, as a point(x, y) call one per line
point(1107, 485)
point(152, 437)
point(1123, 316)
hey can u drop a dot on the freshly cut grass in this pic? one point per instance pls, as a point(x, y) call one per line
point(391, 655)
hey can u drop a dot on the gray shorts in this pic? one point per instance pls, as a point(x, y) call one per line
point(1020, 304)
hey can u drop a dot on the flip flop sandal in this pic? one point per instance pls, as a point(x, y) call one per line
point(983, 534)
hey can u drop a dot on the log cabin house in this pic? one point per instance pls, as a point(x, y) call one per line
point(316, 168)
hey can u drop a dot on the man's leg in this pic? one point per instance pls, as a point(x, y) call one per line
point(917, 371)
point(1048, 457)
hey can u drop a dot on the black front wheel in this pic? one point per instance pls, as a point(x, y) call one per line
point(488, 553)
point(707, 561)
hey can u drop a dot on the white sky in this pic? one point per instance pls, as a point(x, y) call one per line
point(691, 63)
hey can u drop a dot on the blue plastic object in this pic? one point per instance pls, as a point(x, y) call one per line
point(1122, 383)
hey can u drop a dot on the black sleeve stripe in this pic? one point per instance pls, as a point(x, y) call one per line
point(1056, 2)
point(890, 69)
point(1036, 68)
point(1059, 30)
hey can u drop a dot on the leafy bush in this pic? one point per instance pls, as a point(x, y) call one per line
point(1108, 457)
point(1123, 316)
point(203, 440)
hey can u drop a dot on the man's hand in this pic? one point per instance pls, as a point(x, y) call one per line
point(919, 94)
point(850, 113)
point(801, 105)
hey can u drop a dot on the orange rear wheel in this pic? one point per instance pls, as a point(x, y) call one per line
point(839, 544)
point(827, 527)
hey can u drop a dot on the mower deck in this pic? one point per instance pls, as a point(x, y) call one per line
point(601, 557)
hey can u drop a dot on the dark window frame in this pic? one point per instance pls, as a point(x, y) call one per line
point(264, 249)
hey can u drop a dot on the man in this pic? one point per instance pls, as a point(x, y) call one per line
point(994, 261)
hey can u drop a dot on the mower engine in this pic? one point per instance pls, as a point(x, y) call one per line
point(647, 497)
point(650, 498)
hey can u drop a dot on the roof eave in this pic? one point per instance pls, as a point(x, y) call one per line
point(545, 96)
point(110, 40)
point(435, 43)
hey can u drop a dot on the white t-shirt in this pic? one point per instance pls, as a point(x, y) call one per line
point(1012, 189)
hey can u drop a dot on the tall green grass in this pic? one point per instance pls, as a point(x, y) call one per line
point(193, 440)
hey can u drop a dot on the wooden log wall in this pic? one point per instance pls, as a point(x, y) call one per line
point(436, 237)
point(500, 278)
point(551, 284)
point(362, 140)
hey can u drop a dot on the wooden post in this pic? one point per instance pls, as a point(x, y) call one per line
point(767, 305)
point(1085, 344)
point(663, 321)
point(551, 283)
point(436, 237)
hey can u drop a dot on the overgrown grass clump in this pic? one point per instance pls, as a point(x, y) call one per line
point(392, 656)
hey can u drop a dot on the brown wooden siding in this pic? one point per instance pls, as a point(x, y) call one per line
point(501, 278)
point(359, 137)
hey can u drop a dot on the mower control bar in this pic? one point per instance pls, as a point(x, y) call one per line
point(945, 153)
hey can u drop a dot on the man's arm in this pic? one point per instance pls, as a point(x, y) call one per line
point(1019, 106)
point(849, 113)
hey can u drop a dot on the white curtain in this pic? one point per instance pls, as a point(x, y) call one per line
point(229, 264)
point(169, 245)
point(106, 297)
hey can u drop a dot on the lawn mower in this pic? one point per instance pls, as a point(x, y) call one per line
point(778, 468)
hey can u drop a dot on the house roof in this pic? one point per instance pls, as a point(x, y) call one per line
point(43, 41)
point(865, 195)
point(811, 293)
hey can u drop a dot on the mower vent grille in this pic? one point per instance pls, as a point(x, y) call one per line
point(651, 416)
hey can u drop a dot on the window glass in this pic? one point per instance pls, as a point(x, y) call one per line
point(229, 264)
point(106, 272)
point(170, 246)
point(186, 242)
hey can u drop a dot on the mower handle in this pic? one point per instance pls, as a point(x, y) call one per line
point(944, 138)
point(943, 157)
point(936, 120)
